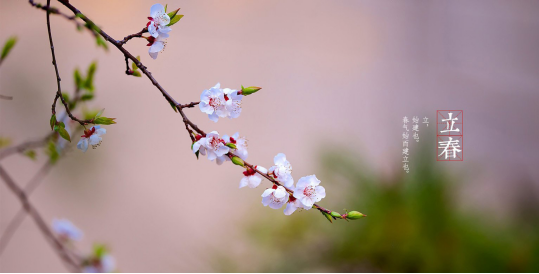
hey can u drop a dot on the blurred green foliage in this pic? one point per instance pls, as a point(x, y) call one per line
point(413, 225)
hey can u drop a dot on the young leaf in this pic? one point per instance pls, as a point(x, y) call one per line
point(78, 78)
point(99, 113)
point(172, 14)
point(53, 121)
point(52, 152)
point(137, 73)
point(175, 19)
point(4, 142)
point(89, 83)
point(101, 43)
point(10, 43)
point(30, 154)
point(62, 131)
point(104, 121)
point(86, 97)
point(173, 107)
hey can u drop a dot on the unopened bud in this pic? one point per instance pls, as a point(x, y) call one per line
point(354, 215)
point(336, 214)
point(231, 145)
point(249, 90)
point(237, 161)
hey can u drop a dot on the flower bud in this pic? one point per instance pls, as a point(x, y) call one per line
point(237, 161)
point(262, 169)
point(336, 214)
point(249, 90)
point(354, 215)
point(231, 145)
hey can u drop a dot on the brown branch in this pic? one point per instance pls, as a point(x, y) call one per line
point(58, 79)
point(41, 224)
point(129, 37)
point(168, 97)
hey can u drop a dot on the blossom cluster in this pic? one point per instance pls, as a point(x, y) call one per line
point(99, 261)
point(306, 192)
point(217, 102)
point(158, 29)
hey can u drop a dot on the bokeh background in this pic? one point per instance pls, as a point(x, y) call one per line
point(337, 78)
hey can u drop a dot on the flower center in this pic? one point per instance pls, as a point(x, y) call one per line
point(309, 191)
point(215, 142)
point(88, 132)
point(215, 103)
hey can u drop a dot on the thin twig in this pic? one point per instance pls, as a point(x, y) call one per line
point(41, 224)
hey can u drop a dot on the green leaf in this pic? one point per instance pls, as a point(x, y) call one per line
point(78, 78)
point(4, 142)
point(99, 113)
point(30, 154)
point(10, 43)
point(66, 97)
point(60, 128)
point(87, 97)
point(101, 43)
point(61, 124)
point(89, 83)
point(166, 5)
point(104, 121)
point(327, 216)
point(137, 73)
point(100, 250)
point(172, 14)
point(173, 107)
point(175, 19)
point(52, 152)
point(89, 114)
point(53, 121)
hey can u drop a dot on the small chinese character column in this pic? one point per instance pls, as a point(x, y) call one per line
point(415, 128)
point(405, 149)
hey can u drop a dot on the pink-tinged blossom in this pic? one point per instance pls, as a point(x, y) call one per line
point(213, 103)
point(159, 20)
point(251, 179)
point(275, 197)
point(241, 145)
point(233, 102)
point(308, 191)
point(156, 45)
point(282, 170)
point(65, 230)
point(91, 137)
point(293, 204)
point(213, 146)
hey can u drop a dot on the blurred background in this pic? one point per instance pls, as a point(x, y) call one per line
point(337, 79)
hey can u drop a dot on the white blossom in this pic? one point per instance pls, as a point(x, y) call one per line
point(66, 230)
point(159, 20)
point(104, 264)
point(213, 146)
point(241, 145)
point(282, 170)
point(261, 169)
point(275, 197)
point(251, 179)
point(213, 103)
point(91, 137)
point(233, 102)
point(157, 45)
point(293, 204)
point(308, 191)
